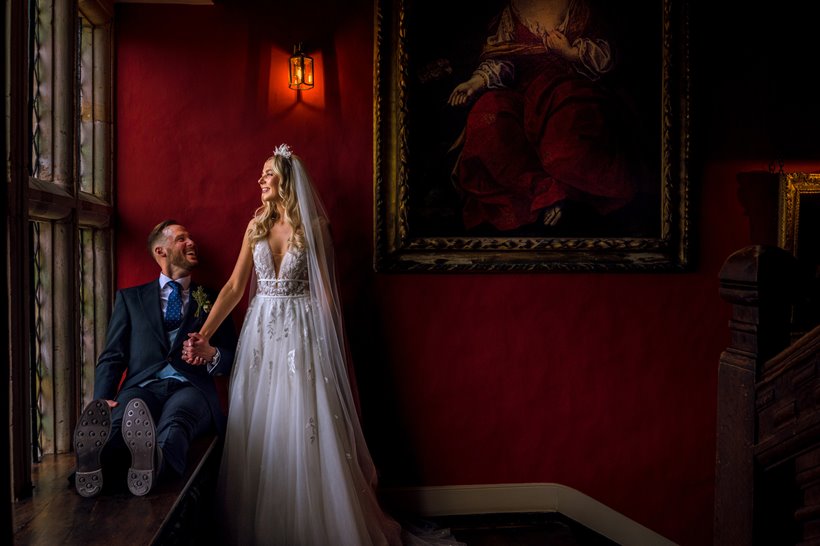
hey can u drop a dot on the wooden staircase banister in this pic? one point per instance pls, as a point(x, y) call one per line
point(767, 483)
point(757, 281)
point(801, 349)
point(787, 400)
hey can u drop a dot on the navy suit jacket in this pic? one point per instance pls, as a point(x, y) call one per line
point(136, 342)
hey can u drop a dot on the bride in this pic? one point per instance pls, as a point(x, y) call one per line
point(295, 467)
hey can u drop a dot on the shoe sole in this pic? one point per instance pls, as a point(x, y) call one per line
point(139, 434)
point(90, 436)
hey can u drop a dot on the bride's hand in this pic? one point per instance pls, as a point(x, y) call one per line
point(196, 350)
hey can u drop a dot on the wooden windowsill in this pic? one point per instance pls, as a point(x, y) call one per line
point(56, 514)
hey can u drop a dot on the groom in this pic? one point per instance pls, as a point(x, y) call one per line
point(162, 403)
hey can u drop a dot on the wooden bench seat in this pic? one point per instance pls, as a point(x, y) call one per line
point(56, 514)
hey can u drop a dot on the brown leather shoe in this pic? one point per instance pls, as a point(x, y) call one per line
point(90, 436)
point(139, 434)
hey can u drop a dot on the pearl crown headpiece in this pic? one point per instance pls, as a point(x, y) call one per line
point(283, 150)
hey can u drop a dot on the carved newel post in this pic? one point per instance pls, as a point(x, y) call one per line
point(757, 281)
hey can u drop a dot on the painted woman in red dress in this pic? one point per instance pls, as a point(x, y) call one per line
point(542, 133)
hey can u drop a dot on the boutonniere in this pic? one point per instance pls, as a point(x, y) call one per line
point(202, 302)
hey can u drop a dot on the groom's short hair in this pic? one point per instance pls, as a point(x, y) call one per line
point(156, 233)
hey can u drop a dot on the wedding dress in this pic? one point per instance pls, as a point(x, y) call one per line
point(288, 475)
point(295, 468)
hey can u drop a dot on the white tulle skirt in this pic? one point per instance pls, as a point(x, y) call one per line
point(288, 473)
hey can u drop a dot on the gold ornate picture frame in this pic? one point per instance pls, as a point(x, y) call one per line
point(799, 216)
point(423, 49)
point(799, 233)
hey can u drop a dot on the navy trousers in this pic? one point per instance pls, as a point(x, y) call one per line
point(180, 412)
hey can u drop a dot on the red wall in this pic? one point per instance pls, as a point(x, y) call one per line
point(602, 382)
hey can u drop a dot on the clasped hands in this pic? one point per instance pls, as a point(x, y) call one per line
point(197, 351)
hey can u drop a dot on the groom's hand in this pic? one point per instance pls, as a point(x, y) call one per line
point(197, 351)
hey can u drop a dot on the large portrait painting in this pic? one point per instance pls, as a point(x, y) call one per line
point(531, 135)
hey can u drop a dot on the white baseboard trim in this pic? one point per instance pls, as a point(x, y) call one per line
point(525, 497)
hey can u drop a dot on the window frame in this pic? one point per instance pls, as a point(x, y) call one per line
point(45, 187)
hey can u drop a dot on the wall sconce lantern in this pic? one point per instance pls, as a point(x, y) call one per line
point(300, 69)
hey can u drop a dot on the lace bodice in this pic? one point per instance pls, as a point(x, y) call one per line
point(292, 279)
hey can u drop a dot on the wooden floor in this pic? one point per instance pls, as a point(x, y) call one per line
point(176, 513)
point(56, 514)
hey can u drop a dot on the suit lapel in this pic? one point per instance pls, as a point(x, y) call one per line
point(152, 309)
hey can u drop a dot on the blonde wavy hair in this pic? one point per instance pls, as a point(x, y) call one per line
point(265, 216)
